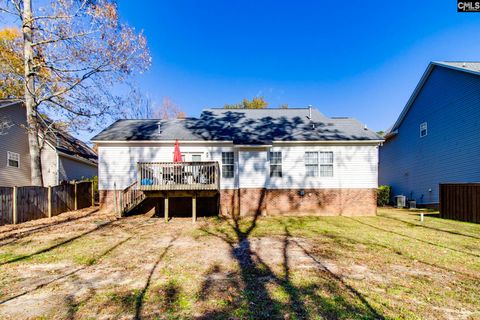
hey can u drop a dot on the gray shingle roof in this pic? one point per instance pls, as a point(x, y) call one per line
point(242, 126)
point(468, 65)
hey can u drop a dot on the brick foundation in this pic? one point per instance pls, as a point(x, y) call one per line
point(107, 198)
point(317, 202)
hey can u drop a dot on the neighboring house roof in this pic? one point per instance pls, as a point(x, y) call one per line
point(472, 67)
point(61, 141)
point(66, 144)
point(242, 127)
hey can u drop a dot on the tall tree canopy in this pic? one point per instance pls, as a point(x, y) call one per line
point(75, 54)
point(11, 64)
point(255, 103)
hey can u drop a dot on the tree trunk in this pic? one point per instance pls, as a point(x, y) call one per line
point(30, 104)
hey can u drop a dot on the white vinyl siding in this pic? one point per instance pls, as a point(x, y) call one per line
point(118, 162)
point(354, 166)
point(13, 159)
point(253, 167)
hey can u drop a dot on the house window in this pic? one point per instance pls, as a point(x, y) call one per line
point(423, 129)
point(13, 159)
point(227, 164)
point(276, 164)
point(196, 157)
point(326, 164)
point(319, 164)
point(311, 164)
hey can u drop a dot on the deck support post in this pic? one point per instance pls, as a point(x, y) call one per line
point(194, 207)
point(166, 209)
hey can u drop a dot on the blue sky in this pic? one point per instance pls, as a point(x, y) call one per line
point(357, 58)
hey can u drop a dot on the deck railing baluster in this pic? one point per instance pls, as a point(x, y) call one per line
point(178, 176)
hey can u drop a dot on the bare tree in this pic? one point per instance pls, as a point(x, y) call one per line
point(75, 53)
point(168, 110)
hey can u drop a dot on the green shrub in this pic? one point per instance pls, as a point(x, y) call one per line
point(383, 195)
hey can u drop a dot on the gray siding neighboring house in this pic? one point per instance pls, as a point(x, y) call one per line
point(436, 139)
point(63, 156)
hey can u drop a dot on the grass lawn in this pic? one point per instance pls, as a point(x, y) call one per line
point(91, 265)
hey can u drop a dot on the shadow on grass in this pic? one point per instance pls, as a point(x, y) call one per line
point(251, 298)
point(140, 298)
point(44, 284)
point(339, 239)
point(428, 227)
point(19, 235)
point(23, 257)
point(416, 239)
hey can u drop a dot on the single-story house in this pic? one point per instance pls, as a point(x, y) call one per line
point(64, 158)
point(436, 138)
point(245, 161)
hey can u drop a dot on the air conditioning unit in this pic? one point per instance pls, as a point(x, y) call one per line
point(400, 201)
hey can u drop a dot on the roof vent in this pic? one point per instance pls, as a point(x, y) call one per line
point(365, 127)
point(159, 128)
point(309, 117)
point(464, 64)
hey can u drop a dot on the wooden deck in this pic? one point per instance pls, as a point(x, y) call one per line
point(178, 176)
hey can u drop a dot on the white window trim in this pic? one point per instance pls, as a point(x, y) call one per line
point(275, 164)
point(229, 164)
point(423, 126)
point(319, 165)
point(9, 156)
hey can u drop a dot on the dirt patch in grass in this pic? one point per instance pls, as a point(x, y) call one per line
point(97, 266)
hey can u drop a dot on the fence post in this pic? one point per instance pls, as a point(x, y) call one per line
point(115, 206)
point(15, 208)
point(75, 192)
point(49, 201)
point(93, 194)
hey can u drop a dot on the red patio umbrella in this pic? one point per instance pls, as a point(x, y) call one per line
point(177, 155)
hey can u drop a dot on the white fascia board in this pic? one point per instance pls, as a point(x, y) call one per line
point(373, 142)
point(160, 141)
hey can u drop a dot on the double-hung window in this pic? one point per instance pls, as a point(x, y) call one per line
point(13, 159)
point(326, 164)
point(311, 164)
point(276, 164)
point(228, 164)
point(423, 129)
point(319, 164)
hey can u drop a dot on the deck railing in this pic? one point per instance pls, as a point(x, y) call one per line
point(178, 176)
point(130, 197)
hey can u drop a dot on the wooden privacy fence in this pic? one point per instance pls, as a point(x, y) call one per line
point(460, 201)
point(21, 204)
